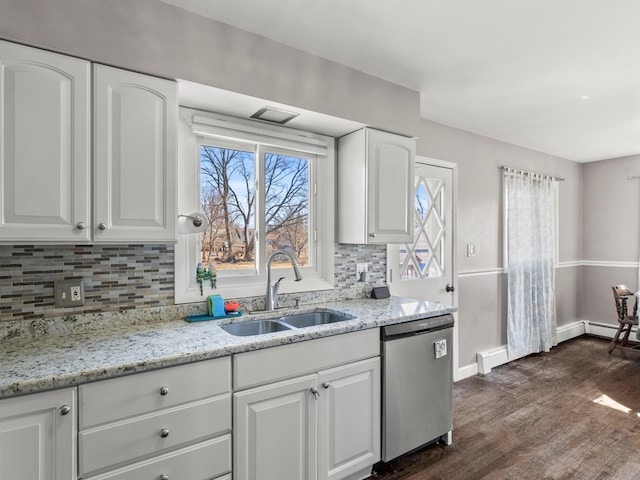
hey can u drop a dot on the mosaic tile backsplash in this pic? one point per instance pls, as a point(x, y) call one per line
point(125, 277)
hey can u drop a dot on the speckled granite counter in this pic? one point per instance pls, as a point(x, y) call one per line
point(108, 349)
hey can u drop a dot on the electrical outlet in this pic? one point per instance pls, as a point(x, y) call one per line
point(471, 250)
point(69, 293)
point(361, 271)
point(440, 347)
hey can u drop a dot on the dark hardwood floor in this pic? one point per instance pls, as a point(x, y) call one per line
point(572, 413)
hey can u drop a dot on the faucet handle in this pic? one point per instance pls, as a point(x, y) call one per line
point(278, 281)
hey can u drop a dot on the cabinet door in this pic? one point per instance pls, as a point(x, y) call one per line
point(37, 436)
point(135, 157)
point(390, 163)
point(275, 431)
point(349, 419)
point(44, 145)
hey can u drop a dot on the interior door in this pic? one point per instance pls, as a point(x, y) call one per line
point(425, 269)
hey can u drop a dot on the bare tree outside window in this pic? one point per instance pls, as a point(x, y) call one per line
point(228, 198)
point(287, 205)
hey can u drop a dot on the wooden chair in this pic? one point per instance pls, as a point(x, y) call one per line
point(621, 294)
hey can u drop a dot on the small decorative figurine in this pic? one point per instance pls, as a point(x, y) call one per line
point(210, 274)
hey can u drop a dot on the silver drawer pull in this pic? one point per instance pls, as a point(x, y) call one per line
point(164, 477)
point(164, 391)
point(102, 226)
point(81, 225)
point(164, 433)
point(326, 385)
point(315, 392)
point(65, 410)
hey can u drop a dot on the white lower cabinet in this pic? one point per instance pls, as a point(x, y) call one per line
point(167, 424)
point(275, 431)
point(349, 419)
point(323, 425)
point(304, 411)
point(38, 436)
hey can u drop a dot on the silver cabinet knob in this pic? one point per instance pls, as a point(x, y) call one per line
point(315, 392)
point(81, 225)
point(164, 391)
point(164, 433)
point(102, 226)
point(65, 410)
point(372, 235)
point(325, 385)
point(164, 477)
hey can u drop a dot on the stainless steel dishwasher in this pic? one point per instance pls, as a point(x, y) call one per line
point(417, 384)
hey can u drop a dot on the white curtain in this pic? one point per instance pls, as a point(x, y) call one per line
point(530, 243)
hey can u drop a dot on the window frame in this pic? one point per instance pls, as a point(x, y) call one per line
point(196, 128)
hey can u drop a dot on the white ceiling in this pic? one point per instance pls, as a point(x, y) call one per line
point(557, 76)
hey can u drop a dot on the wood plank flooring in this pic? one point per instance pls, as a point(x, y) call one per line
point(572, 413)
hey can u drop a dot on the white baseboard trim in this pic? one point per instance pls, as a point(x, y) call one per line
point(467, 371)
point(491, 358)
point(498, 356)
point(571, 330)
point(606, 330)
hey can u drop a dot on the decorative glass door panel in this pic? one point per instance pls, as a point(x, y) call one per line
point(425, 257)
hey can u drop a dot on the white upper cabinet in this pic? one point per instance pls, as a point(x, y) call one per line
point(47, 177)
point(375, 187)
point(135, 156)
point(44, 145)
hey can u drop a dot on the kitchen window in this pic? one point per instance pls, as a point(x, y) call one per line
point(262, 188)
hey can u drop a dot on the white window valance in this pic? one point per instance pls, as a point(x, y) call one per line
point(237, 130)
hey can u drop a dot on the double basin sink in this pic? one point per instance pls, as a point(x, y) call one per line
point(285, 322)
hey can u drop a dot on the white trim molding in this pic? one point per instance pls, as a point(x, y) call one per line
point(478, 272)
point(481, 272)
point(576, 263)
point(601, 263)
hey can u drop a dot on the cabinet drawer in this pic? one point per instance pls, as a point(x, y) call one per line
point(272, 364)
point(198, 462)
point(124, 397)
point(132, 439)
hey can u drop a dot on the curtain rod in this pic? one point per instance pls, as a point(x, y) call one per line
point(525, 172)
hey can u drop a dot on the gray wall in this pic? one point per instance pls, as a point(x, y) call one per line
point(611, 232)
point(482, 293)
point(156, 38)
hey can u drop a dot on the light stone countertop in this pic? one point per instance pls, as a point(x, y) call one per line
point(107, 349)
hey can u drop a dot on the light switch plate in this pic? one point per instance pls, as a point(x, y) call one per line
point(69, 293)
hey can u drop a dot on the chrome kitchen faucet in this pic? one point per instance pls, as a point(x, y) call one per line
point(271, 298)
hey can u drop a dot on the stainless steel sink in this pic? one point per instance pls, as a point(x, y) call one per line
point(257, 327)
point(286, 322)
point(310, 319)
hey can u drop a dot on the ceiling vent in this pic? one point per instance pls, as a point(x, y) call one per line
point(274, 115)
